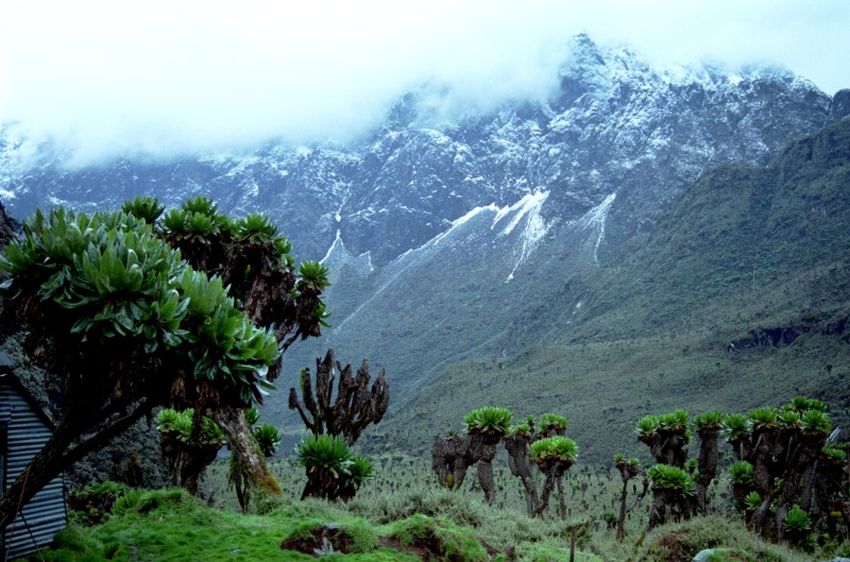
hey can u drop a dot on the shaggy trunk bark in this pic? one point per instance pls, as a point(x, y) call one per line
point(195, 460)
point(242, 446)
point(320, 484)
point(707, 463)
point(485, 477)
point(548, 486)
point(659, 511)
point(554, 471)
point(562, 506)
point(517, 447)
point(797, 482)
point(762, 454)
point(621, 519)
point(450, 460)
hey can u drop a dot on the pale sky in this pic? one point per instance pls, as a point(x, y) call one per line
point(169, 77)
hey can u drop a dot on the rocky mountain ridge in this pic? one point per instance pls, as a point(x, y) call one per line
point(441, 232)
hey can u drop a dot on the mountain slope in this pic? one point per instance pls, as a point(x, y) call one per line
point(739, 297)
point(447, 233)
point(613, 149)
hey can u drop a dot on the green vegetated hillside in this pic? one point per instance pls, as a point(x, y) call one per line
point(755, 257)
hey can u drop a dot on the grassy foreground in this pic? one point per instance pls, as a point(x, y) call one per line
point(169, 525)
point(403, 515)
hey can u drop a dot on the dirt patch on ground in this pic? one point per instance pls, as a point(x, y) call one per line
point(321, 540)
point(430, 547)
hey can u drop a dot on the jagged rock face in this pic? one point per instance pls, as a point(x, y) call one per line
point(442, 232)
point(615, 125)
point(840, 106)
point(7, 227)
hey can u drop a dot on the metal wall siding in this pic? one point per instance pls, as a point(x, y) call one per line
point(45, 514)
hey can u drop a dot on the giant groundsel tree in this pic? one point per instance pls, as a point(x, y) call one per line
point(125, 324)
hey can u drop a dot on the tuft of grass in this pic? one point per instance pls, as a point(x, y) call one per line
point(682, 541)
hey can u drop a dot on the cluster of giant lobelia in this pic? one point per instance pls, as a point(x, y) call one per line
point(114, 312)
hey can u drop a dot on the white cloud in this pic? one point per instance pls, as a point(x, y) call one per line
point(163, 77)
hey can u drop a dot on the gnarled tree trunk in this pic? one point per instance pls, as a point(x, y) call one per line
point(242, 445)
point(519, 464)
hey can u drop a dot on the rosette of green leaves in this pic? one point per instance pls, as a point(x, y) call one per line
point(268, 438)
point(557, 448)
point(709, 420)
point(167, 420)
point(753, 501)
point(632, 462)
point(255, 228)
point(815, 421)
point(521, 428)
point(358, 469)
point(252, 415)
point(198, 218)
point(671, 478)
point(491, 419)
point(742, 472)
point(553, 422)
point(803, 404)
point(328, 452)
point(646, 426)
point(146, 208)
point(675, 421)
point(763, 417)
point(108, 272)
point(736, 426)
point(183, 423)
point(797, 521)
point(789, 418)
point(313, 277)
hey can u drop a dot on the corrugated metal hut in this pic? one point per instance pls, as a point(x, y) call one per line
point(24, 429)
